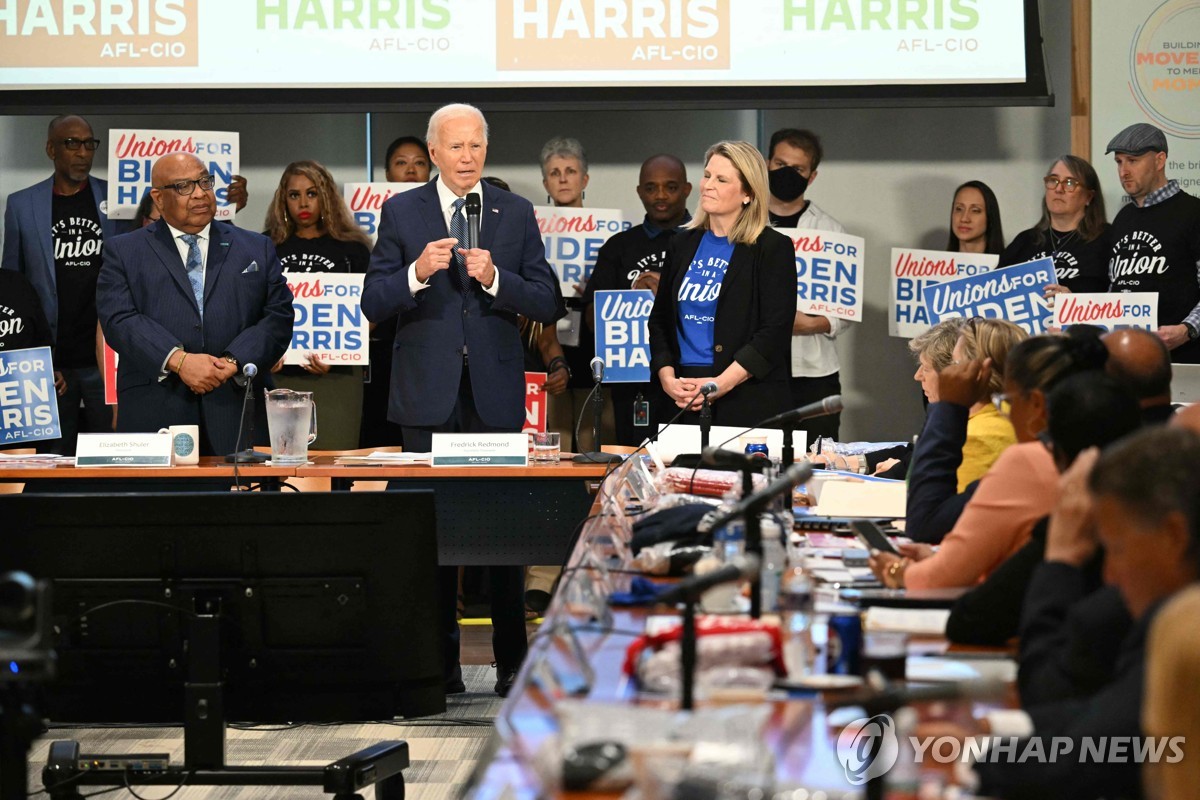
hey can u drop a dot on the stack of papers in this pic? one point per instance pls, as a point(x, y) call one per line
point(385, 457)
point(921, 621)
point(27, 460)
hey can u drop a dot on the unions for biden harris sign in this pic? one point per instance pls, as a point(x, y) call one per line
point(28, 403)
point(329, 320)
point(829, 273)
point(1013, 293)
point(623, 335)
point(913, 270)
point(131, 157)
point(573, 237)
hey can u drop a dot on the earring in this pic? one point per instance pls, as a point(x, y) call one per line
point(549, 201)
point(583, 195)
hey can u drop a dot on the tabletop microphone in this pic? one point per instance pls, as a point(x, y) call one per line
point(474, 209)
point(708, 388)
point(796, 473)
point(249, 373)
point(598, 370)
point(742, 568)
point(830, 405)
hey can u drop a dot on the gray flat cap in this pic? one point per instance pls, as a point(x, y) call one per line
point(1137, 139)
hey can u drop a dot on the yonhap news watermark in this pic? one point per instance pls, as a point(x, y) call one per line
point(869, 747)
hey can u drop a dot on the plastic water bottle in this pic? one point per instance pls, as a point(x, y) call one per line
point(729, 542)
point(796, 606)
point(774, 562)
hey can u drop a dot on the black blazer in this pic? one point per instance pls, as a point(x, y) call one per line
point(753, 323)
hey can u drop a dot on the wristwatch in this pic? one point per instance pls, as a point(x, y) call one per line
point(1192, 332)
point(229, 359)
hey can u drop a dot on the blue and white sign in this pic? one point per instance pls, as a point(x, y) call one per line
point(329, 320)
point(1013, 293)
point(573, 237)
point(1110, 311)
point(28, 402)
point(913, 270)
point(622, 334)
point(132, 153)
point(829, 272)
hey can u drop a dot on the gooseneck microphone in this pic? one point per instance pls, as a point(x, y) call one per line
point(795, 474)
point(596, 400)
point(246, 455)
point(708, 388)
point(474, 209)
point(741, 568)
point(821, 408)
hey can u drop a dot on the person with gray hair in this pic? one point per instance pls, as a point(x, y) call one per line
point(458, 363)
point(564, 171)
point(1156, 239)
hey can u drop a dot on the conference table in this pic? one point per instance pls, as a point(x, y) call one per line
point(486, 515)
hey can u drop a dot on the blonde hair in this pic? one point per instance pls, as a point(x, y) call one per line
point(752, 170)
point(937, 343)
point(335, 215)
point(991, 338)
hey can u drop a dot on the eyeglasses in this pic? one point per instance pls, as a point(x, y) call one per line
point(1000, 400)
point(75, 144)
point(187, 187)
point(1068, 184)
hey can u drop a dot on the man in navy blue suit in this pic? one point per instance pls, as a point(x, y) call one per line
point(53, 234)
point(186, 302)
point(457, 360)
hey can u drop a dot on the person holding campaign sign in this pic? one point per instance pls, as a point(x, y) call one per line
point(1156, 238)
point(726, 299)
point(54, 232)
point(975, 220)
point(22, 325)
point(313, 232)
point(1072, 230)
point(634, 259)
point(792, 160)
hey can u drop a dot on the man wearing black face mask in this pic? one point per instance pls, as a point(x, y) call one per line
point(792, 160)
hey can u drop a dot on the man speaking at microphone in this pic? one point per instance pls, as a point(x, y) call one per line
point(457, 360)
point(186, 302)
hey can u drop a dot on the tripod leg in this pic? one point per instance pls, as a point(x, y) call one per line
point(390, 788)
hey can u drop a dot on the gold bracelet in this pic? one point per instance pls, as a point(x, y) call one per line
point(179, 366)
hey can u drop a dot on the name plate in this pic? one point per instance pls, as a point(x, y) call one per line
point(480, 450)
point(123, 450)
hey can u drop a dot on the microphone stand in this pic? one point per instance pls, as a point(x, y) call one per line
point(687, 654)
point(248, 455)
point(596, 456)
point(788, 456)
point(705, 422)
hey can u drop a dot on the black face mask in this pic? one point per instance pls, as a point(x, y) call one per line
point(787, 184)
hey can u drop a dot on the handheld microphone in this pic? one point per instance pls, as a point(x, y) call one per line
point(744, 567)
point(473, 208)
point(830, 405)
point(796, 473)
point(597, 364)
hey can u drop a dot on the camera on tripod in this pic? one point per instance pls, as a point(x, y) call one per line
point(26, 643)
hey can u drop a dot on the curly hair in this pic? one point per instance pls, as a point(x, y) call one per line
point(335, 215)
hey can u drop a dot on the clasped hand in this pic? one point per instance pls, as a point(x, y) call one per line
point(202, 373)
point(437, 254)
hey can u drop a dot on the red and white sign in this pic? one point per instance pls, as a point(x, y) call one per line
point(110, 374)
point(535, 402)
point(1110, 310)
point(366, 199)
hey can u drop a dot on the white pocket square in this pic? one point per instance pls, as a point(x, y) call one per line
point(252, 268)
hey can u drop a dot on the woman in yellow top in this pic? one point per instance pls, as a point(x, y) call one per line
point(989, 431)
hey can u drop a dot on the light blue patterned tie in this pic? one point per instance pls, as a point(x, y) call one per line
point(195, 268)
point(458, 229)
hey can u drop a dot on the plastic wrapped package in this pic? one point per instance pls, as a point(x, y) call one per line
point(705, 482)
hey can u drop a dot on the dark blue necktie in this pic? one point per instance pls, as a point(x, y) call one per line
point(458, 229)
point(195, 268)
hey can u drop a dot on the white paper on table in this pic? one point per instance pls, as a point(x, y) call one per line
point(852, 498)
point(927, 621)
point(948, 668)
point(677, 439)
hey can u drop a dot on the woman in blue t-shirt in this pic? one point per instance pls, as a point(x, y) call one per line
point(727, 299)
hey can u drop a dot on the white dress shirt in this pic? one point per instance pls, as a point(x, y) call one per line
point(446, 200)
point(815, 355)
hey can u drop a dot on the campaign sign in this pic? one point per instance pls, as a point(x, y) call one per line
point(111, 359)
point(366, 200)
point(1013, 293)
point(913, 270)
point(132, 153)
point(573, 237)
point(1108, 310)
point(623, 335)
point(535, 402)
point(829, 273)
point(329, 320)
point(28, 402)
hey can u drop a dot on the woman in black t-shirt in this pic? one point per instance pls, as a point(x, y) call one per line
point(1073, 230)
point(313, 232)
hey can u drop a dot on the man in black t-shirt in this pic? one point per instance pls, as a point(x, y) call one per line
point(632, 259)
point(1156, 239)
point(53, 234)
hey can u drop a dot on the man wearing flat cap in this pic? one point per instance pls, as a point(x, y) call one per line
point(1156, 239)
